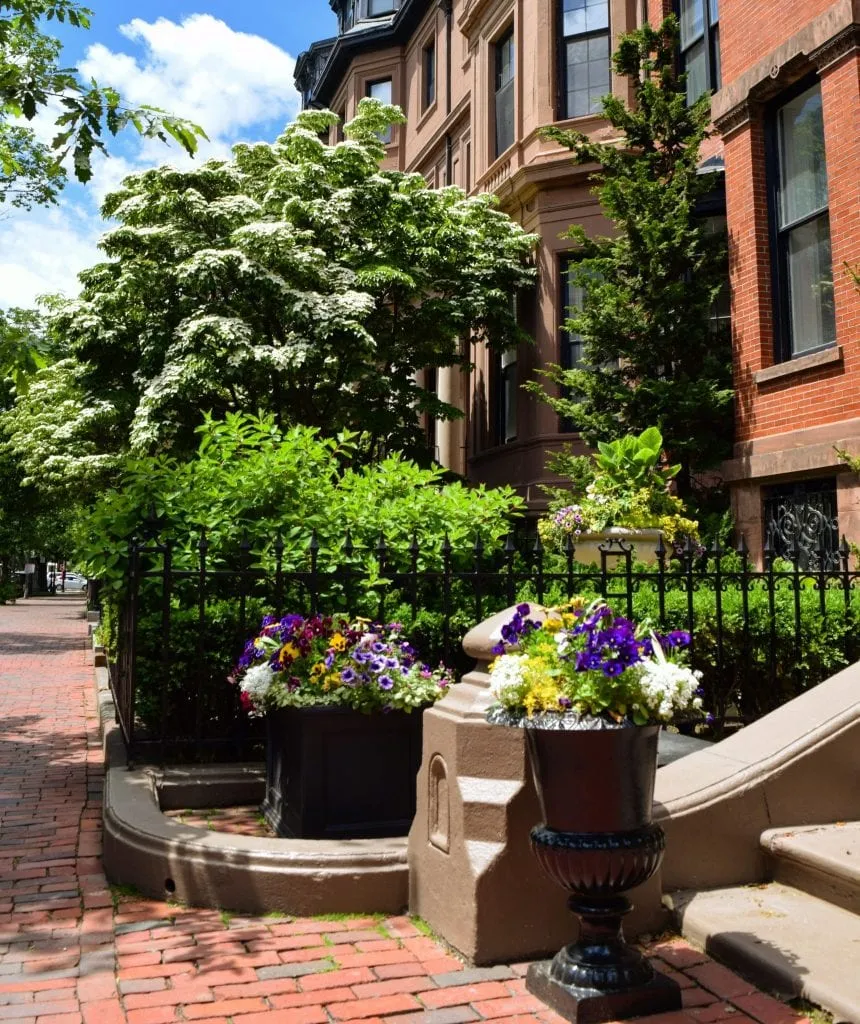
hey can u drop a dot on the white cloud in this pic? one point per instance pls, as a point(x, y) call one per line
point(201, 69)
point(43, 252)
point(231, 83)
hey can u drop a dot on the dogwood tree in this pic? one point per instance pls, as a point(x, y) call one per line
point(297, 278)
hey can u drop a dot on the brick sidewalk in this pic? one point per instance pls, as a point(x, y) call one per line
point(68, 955)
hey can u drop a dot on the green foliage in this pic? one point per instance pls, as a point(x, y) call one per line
point(32, 78)
point(633, 462)
point(297, 279)
point(31, 518)
point(252, 478)
point(650, 357)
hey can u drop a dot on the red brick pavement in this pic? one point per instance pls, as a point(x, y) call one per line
point(69, 956)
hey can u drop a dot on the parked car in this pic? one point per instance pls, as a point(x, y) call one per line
point(73, 581)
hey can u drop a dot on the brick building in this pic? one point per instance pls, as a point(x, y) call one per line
point(478, 78)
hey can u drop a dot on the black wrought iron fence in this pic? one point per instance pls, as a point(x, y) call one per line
point(759, 635)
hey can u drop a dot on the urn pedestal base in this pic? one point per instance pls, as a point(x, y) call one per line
point(591, 1006)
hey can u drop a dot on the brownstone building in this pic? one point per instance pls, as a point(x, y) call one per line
point(477, 79)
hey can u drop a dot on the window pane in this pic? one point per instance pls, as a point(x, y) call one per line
point(504, 118)
point(692, 21)
point(508, 395)
point(580, 16)
point(505, 60)
point(803, 168)
point(716, 60)
point(697, 71)
point(429, 74)
point(375, 7)
point(715, 11)
point(381, 91)
point(587, 75)
point(810, 282)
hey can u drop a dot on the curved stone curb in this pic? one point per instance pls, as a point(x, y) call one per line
point(163, 859)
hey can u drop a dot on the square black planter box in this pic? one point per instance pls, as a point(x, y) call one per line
point(334, 773)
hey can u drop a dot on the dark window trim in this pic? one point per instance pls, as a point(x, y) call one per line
point(780, 290)
point(502, 375)
point(561, 113)
point(428, 79)
point(564, 263)
point(711, 46)
point(501, 40)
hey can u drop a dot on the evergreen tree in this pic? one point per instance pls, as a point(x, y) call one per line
point(651, 355)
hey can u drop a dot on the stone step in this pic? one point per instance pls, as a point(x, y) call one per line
point(823, 860)
point(780, 938)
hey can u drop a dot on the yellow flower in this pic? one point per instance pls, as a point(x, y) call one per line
point(288, 651)
point(317, 670)
point(338, 642)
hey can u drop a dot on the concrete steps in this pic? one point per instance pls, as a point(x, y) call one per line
point(823, 860)
point(798, 935)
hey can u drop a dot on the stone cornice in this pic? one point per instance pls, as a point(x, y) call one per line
point(817, 45)
point(845, 42)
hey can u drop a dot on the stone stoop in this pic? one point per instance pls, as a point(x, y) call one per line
point(798, 935)
point(823, 860)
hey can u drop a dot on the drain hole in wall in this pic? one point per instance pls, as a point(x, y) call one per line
point(169, 885)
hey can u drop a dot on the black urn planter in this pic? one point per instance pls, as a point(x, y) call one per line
point(334, 773)
point(596, 787)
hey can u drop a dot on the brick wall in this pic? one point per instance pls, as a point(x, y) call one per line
point(821, 395)
point(750, 29)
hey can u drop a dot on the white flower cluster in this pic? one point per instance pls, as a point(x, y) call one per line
point(505, 671)
point(255, 683)
point(667, 688)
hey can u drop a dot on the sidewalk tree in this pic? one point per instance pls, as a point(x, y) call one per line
point(297, 279)
point(650, 354)
point(34, 82)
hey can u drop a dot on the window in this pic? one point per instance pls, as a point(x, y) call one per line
point(802, 517)
point(700, 46)
point(378, 7)
point(585, 56)
point(504, 91)
point(720, 320)
point(428, 74)
point(572, 298)
point(381, 91)
point(570, 343)
point(507, 396)
point(800, 228)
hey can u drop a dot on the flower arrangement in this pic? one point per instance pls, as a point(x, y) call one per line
point(588, 662)
point(629, 487)
point(302, 662)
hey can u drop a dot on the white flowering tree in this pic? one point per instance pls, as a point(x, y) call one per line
point(297, 279)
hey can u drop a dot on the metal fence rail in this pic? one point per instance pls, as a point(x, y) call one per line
point(188, 611)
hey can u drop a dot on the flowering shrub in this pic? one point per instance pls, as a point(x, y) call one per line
point(302, 662)
point(590, 661)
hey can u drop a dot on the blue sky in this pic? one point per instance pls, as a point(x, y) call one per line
point(226, 65)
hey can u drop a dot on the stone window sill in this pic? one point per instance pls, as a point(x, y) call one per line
point(827, 357)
